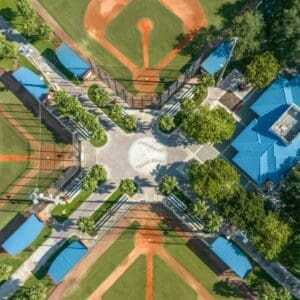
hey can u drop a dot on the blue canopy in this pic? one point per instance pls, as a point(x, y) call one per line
point(232, 256)
point(216, 61)
point(67, 260)
point(23, 237)
point(31, 82)
point(72, 61)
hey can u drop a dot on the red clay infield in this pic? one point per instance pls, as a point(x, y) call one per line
point(101, 12)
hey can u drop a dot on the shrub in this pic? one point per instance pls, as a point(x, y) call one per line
point(98, 95)
point(168, 184)
point(129, 123)
point(167, 123)
point(128, 186)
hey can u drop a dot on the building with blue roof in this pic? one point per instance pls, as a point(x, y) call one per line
point(34, 84)
point(270, 145)
point(73, 62)
point(67, 260)
point(23, 237)
point(232, 256)
point(217, 60)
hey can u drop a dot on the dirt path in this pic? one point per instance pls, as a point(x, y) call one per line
point(7, 158)
point(145, 27)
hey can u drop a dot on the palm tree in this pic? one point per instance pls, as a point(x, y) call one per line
point(199, 208)
point(86, 224)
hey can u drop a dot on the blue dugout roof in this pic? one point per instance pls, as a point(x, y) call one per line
point(261, 153)
point(67, 260)
point(72, 61)
point(31, 82)
point(232, 256)
point(218, 58)
point(23, 237)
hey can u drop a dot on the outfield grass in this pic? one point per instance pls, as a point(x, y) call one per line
point(132, 284)
point(193, 264)
point(105, 265)
point(163, 37)
point(14, 262)
point(168, 285)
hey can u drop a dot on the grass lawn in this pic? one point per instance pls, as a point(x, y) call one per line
point(167, 27)
point(63, 211)
point(168, 285)
point(14, 262)
point(193, 264)
point(105, 265)
point(132, 284)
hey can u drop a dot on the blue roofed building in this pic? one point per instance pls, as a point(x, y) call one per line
point(73, 62)
point(270, 145)
point(67, 260)
point(23, 237)
point(34, 84)
point(232, 256)
point(216, 61)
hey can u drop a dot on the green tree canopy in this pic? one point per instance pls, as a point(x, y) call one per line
point(206, 126)
point(212, 222)
point(98, 95)
point(215, 179)
point(4, 271)
point(269, 292)
point(130, 122)
point(168, 185)
point(7, 49)
point(128, 186)
point(199, 208)
point(35, 292)
point(262, 70)
point(86, 224)
point(166, 123)
point(273, 236)
point(249, 29)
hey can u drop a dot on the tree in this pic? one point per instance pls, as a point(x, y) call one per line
point(166, 123)
point(199, 208)
point(116, 112)
point(249, 29)
point(128, 186)
point(273, 236)
point(130, 122)
point(86, 224)
point(262, 70)
point(208, 80)
point(4, 272)
point(269, 292)
point(89, 183)
point(215, 179)
point(99, 173)
point(212, 222)
point(207, 126)
point(25, 9)
point(35, 292)
point(44, 31)
point(98, 95)
point(7, 49)
point(29, 27)
point(168, 185)
point(290, 195)
point(245, 210)
point(284, 31)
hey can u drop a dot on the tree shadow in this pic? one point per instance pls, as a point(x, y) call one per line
point(225, 289)
point(8, 14)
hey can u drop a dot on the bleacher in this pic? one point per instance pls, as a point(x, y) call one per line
point(74, 187)
point(178, 208)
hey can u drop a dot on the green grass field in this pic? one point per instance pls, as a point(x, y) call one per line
point(195, 265)
point(132, 284)
point(168, 285)
point(167, 27)
point(70, 14)
point(11, 142)
point(105, 265)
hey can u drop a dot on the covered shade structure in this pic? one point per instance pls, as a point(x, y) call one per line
point(23, 237)
point(32, 83)
point(232, 256)
point(67, 260)
point(73, 62)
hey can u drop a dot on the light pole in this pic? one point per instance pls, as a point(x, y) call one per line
point(234, 41)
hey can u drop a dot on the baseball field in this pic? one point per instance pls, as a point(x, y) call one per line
point(139, 259)
point(137, 41)
point(28, 156)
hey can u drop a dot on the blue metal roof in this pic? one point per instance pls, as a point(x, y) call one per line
point(67, 260)
point(32, 82)
point(72, 61)
point(261, 153)
point(232, 256)
point(218, 58)
point(23, 237)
